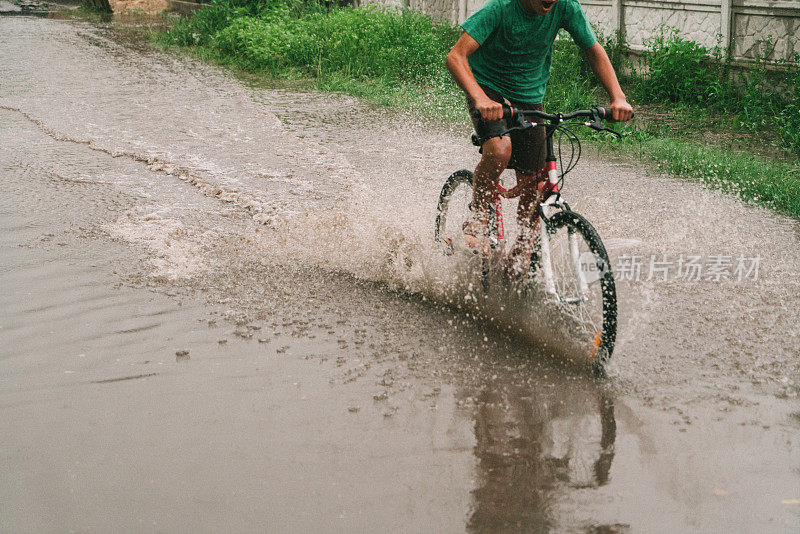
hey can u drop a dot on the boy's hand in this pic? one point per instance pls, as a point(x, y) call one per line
point(621, 111)
point(490, 110)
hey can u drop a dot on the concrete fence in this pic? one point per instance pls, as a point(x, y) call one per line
point(738, 26)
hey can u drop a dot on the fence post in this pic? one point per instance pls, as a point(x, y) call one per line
point(725, 25)
point(616, 15)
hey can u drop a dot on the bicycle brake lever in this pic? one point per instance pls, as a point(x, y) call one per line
point(597, 124)
point(606, 129)
point(518, 121)
point(602, 128)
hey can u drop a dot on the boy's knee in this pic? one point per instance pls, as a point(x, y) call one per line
point(498, 150)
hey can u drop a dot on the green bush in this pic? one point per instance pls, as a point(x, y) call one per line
point(201, 28)
point(789, 118)
point(288, 38)
point(761, 98)
point(678, 71)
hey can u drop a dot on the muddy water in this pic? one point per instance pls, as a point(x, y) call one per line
point(335, 379)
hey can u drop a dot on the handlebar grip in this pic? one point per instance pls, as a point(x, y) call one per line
point(606, 115)
point(508, 113)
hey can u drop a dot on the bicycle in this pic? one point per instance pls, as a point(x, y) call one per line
point(568, 257)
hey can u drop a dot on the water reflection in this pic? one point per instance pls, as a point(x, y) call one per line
point(533, 445)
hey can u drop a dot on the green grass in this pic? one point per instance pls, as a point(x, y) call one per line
point(396, 58)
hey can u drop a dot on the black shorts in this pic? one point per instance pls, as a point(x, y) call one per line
point(528, 150)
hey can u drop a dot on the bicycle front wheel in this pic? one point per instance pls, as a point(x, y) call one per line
point(577, 274)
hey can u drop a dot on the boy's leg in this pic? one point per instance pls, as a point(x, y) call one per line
point(528, 208)
point(519, 256)
point(495, 154)
point(528, 158)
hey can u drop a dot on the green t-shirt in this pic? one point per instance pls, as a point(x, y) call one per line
point(516, 46)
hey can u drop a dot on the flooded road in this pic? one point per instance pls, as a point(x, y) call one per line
point(222, 310)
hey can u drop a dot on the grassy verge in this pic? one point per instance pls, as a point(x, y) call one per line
point(396, 58)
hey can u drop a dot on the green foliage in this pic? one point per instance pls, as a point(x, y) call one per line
point(94, 9)
point(699, 81)
point(761, 100)
point(789, 118)
point(678, 71)
point(200, 28)
point(288, 39)
point(570, 85)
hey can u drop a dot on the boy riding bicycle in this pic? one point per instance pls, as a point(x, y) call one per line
point(504, 56)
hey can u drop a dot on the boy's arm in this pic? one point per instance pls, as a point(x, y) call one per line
point(458, 66)
point(598, 59)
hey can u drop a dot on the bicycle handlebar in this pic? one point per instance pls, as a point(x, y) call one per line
point(515, 118)
point(509, 113)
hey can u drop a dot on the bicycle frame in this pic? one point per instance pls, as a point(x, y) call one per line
point(546, 207)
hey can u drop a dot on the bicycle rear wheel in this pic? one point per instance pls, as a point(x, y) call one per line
point(453, 209)
point(578, 276)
